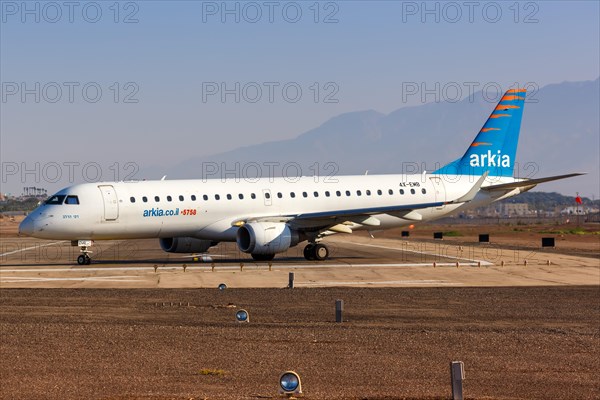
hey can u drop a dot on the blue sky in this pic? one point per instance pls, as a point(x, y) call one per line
point(170, 52)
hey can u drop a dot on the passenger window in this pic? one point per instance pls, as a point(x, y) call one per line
point(252, 196)
point(338, 193)
point(368, 192)
point(358, 193)
point(205, 197)
point(401, 191)
point(241, 196)
point(327, 193)
point(132, 199)
point(304, 194)
point(423, 191)
point(145, 199)
point(72, 200)
point(279, 195)
point(267, 195)
point(217, 197)
point(292, 195)
point(412, 191)
point(169, 198)
point(390, 191)
point(228, 197)
point(181, 198)
point(316, 194)
point(347, 193)
point(156, 199)
point(56, 199)
point(379, 192)
point(193, 197)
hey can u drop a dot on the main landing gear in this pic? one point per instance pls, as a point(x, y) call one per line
point(316, 252)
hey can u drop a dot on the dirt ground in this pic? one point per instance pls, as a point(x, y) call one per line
point(573, 239)
point(516, 343)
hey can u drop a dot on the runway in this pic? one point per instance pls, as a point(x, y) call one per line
point(356, 260)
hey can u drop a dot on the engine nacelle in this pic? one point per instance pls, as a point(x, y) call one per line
point(266, 238)
point(185, 245)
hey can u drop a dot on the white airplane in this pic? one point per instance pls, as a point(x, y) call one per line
point(268, 216)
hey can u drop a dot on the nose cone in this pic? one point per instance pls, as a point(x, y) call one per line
point(26, 226)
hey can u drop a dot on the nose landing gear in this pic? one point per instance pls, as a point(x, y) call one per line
point(84, 258)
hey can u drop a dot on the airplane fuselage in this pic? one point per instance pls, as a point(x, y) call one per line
point(208, 209)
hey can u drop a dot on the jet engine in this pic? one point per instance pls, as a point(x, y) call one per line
point(266, 238)
point(185, 245)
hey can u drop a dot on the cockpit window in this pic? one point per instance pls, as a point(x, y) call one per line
point(56, 199)
point(72, 200)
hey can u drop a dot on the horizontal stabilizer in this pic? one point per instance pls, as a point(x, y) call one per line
point(527, 182)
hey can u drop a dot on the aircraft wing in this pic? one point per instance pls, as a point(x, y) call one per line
point(363, 216)
point(340, 219)
point(319, 220)
point(526, 183)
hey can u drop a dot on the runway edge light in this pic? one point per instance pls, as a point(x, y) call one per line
point(290, 384)
point(242, 316)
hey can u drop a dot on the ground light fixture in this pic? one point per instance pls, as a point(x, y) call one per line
point(242, 316)
point(289, 384)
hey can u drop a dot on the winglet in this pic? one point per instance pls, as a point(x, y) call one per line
point(470, 195)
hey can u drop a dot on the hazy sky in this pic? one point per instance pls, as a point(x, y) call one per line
point(157, 82)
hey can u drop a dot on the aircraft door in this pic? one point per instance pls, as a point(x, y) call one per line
point(111, 203)
point(439, 190)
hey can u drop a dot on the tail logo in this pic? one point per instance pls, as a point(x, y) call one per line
point(490, 160)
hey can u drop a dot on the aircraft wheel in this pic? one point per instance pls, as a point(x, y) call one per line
point(320, 252)
point(308, 252)
point(88, 260)
point(263, 257)
point(82, 260)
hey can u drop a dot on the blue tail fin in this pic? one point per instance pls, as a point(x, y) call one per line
point(495, 147)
